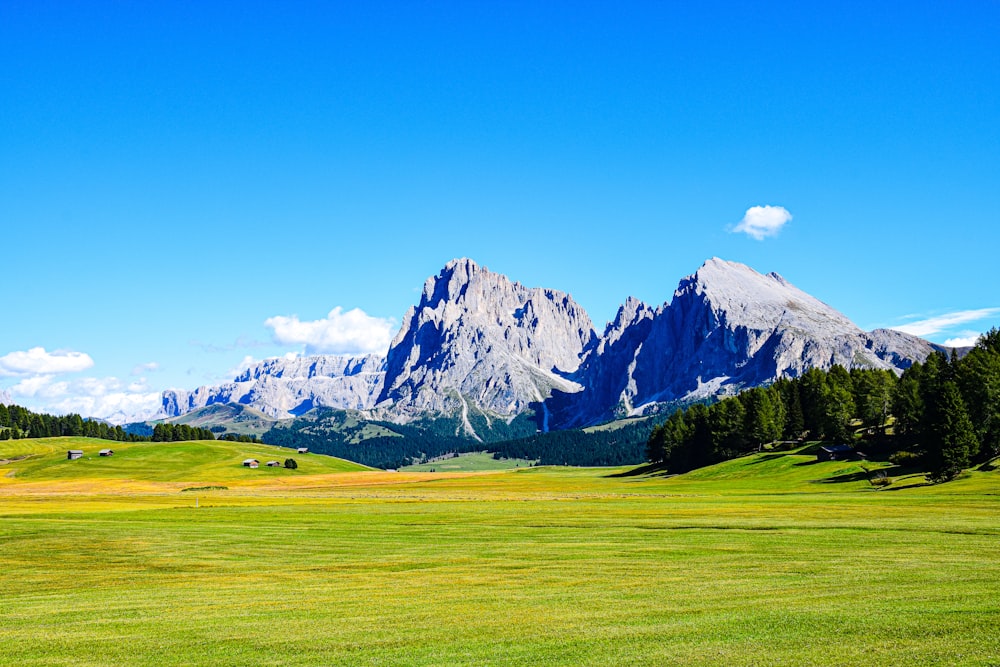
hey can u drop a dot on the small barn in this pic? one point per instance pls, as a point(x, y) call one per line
point(834, 453)
point(74, 454)
point(106, 452)
point(251, 463)
point(302, 450)
point(273, 464)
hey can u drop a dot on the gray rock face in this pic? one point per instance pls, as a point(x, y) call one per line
point(286, 387)
point(475, 335)
point(727, 328)
point(478, 340)
point(5, 398)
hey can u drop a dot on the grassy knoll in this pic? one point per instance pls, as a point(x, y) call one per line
point(471, 462)
point(767, 560)
point(45, 460)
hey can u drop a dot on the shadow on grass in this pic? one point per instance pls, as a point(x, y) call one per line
point(655, 469)
point(860, 476)
point(913, 484)
point(768, 457)
point(989, 466)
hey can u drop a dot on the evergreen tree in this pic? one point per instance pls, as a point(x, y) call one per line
point(839, 404)
point(794, 419)
point(655, 450)
point(725, 421)
point(813, 393)
point(908, 403)
point(978, 377)
point(764, 415)
point(952, 442)
point(873, 391)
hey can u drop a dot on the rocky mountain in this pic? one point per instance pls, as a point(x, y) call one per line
point(727, 328)
point(5, 398)
point(283, 388)
point(478, 337)
point(479, 346)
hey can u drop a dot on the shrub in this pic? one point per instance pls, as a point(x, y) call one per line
point(880, 479)
point(905, 459)
point(291, 464)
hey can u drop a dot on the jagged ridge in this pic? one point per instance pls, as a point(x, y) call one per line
point(478, 344)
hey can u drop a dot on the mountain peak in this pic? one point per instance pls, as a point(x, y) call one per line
point(451, 281)
point(479, 334)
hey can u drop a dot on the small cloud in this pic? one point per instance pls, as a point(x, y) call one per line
point(37, 361)
point(351, 332)
point(967, 341)
point(151, 367)
point(760, 222)
point(939, 323)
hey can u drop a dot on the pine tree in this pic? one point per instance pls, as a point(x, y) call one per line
point(978, 377)
point(908, 404)
point(839, 404)
point(813, 393)
point(952, 442)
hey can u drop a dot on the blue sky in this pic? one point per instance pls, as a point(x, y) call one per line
point(175, 175)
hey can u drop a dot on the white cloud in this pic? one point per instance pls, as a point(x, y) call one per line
point(351, 332)
point(933, 325)
point(967, 341)
point(103, 398)
point(151, 367)
point(37, 361)
point(763, 221)
point(117, 407)
point(35, 386)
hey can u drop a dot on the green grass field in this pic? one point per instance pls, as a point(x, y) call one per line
point(769, 560)
point(471, 462)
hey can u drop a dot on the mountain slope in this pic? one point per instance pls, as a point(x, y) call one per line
point(478, 337)
point(727, 327)
point(479, 349)
point(282, 388)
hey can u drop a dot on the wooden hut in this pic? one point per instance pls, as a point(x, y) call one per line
point(106, 452)
point(251, 463)
point(74, 454)
point(834, 453)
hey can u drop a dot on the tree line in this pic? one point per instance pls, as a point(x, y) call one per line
point(17, 422)
point(180, 433)
point(945, 412)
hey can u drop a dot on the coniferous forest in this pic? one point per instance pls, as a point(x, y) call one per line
point(942, 415)
point(17, 422)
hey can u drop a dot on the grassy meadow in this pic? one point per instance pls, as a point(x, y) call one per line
point(470, 462)
point(773, 559)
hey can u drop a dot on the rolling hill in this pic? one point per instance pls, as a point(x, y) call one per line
point(214, 461)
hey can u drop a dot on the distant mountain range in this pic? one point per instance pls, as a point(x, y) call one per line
point(479, 347)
